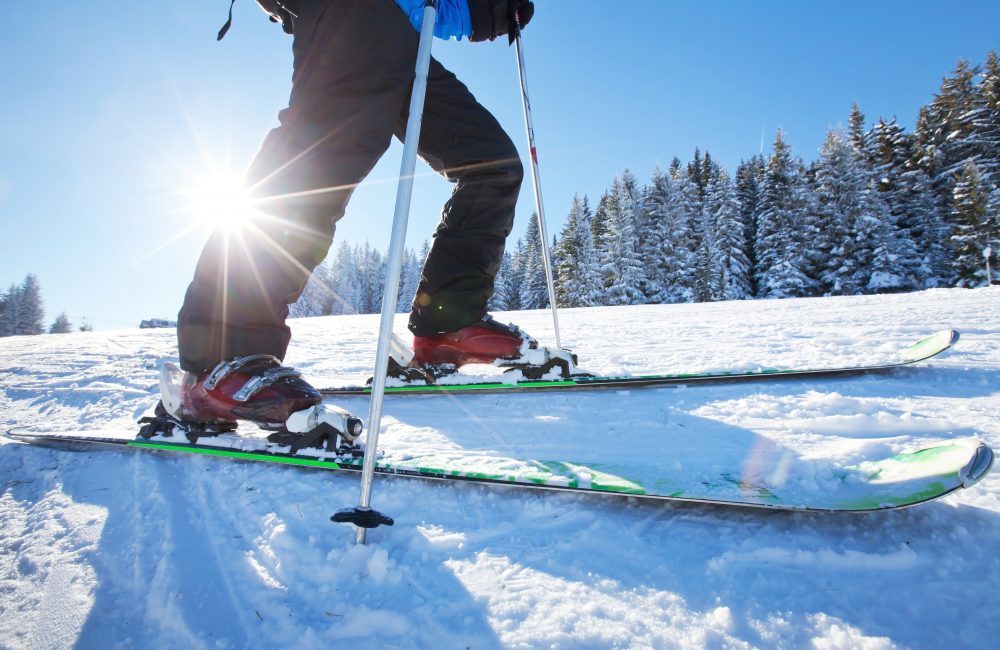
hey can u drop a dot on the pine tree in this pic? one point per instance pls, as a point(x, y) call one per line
point(409, 279)
point(906, 189)
point(9, 311)
point(731, 265)
point(533, 287)
point(749, 184)
point(838, 199)
point(986, 121)
point(371, 279)
point(620, 264)
point(315, 298)
point(61, 325)
point(575, 259)
point(500, 300)
point(779, 245)
point(974, 231)
point(31, 311)
point(344, 284)
point(945, 139)
point(516, 277)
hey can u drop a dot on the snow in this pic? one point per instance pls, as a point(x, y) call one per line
point(119, 549)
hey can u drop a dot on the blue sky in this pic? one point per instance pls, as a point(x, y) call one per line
point(107, 114)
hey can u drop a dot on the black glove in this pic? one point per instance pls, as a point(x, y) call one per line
point(493, 18)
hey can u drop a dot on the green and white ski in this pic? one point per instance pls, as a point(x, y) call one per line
point(454, 384)
point(906, 479)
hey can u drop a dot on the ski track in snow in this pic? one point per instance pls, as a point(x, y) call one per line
point(117, 549)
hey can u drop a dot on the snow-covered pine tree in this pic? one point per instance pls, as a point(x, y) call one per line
point(779, 246)
point(10, 311)
point(499, 301)
point(945, 134)
point(61, 325)
point(575, 258)
point(344, 281)
point(371, 279)
point(973, 228)
point(749, 184)
point(680, 240)
point(837, 194)
point(707, 270)
point(986, 122)
point(656, 247)
point(620, 264)
point(315, 298)
point(516, 276)
point(879, 244)
point(732, 265)
point(409, 280)
point(906, 190)
point(533, 288)
point(31, 319)
point(599, 233)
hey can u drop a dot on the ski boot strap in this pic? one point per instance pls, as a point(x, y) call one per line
point(260, 382)
point(226, 368)
point(274, 374)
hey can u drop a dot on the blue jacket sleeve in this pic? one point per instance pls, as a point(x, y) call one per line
point(453, 19)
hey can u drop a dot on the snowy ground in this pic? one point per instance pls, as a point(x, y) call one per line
point(126, 549)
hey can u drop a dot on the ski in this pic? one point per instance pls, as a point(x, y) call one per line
point(920, 351)
point(906, 479)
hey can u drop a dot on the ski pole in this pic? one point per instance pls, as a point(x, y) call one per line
point(363, 516)
point(536, 181)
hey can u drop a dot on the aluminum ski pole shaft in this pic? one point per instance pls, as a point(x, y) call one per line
point(536, 180)
point(404, 193)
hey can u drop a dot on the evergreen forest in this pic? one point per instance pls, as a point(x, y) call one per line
point(879, 210)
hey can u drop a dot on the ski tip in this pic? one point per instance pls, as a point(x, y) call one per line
point(954, 336)
point(978, 466)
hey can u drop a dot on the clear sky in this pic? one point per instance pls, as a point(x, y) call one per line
point(110, 111)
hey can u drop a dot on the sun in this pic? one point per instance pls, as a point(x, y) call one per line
point(220, 199)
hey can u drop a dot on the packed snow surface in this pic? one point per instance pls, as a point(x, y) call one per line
point(126, 549)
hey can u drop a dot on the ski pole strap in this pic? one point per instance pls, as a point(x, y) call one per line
point(229, 22)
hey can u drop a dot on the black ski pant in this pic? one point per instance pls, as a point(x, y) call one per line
point(354, 64)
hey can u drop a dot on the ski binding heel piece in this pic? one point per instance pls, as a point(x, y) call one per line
point(536, 363)
point(361, 517)
point(319, 426)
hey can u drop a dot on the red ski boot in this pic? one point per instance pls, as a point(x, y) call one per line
point(255, 388)
point(486, 341)
point(491, 342)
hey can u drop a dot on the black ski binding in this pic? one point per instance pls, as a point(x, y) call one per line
point(161, 423)
point(428, 374)
point(322, 436)
point(361, 517)
point(536, 372)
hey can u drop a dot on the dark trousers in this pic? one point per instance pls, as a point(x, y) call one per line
point(354, 64)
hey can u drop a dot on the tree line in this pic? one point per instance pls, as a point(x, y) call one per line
point(23, 313)
point(880, 210)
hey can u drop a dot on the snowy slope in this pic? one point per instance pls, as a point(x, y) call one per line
point(125, 549)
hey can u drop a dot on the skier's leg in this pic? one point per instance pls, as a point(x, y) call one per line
point(353, 69)
point(462, 141)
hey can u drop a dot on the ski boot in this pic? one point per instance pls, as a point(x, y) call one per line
point(490, 342)
point(256, 388)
